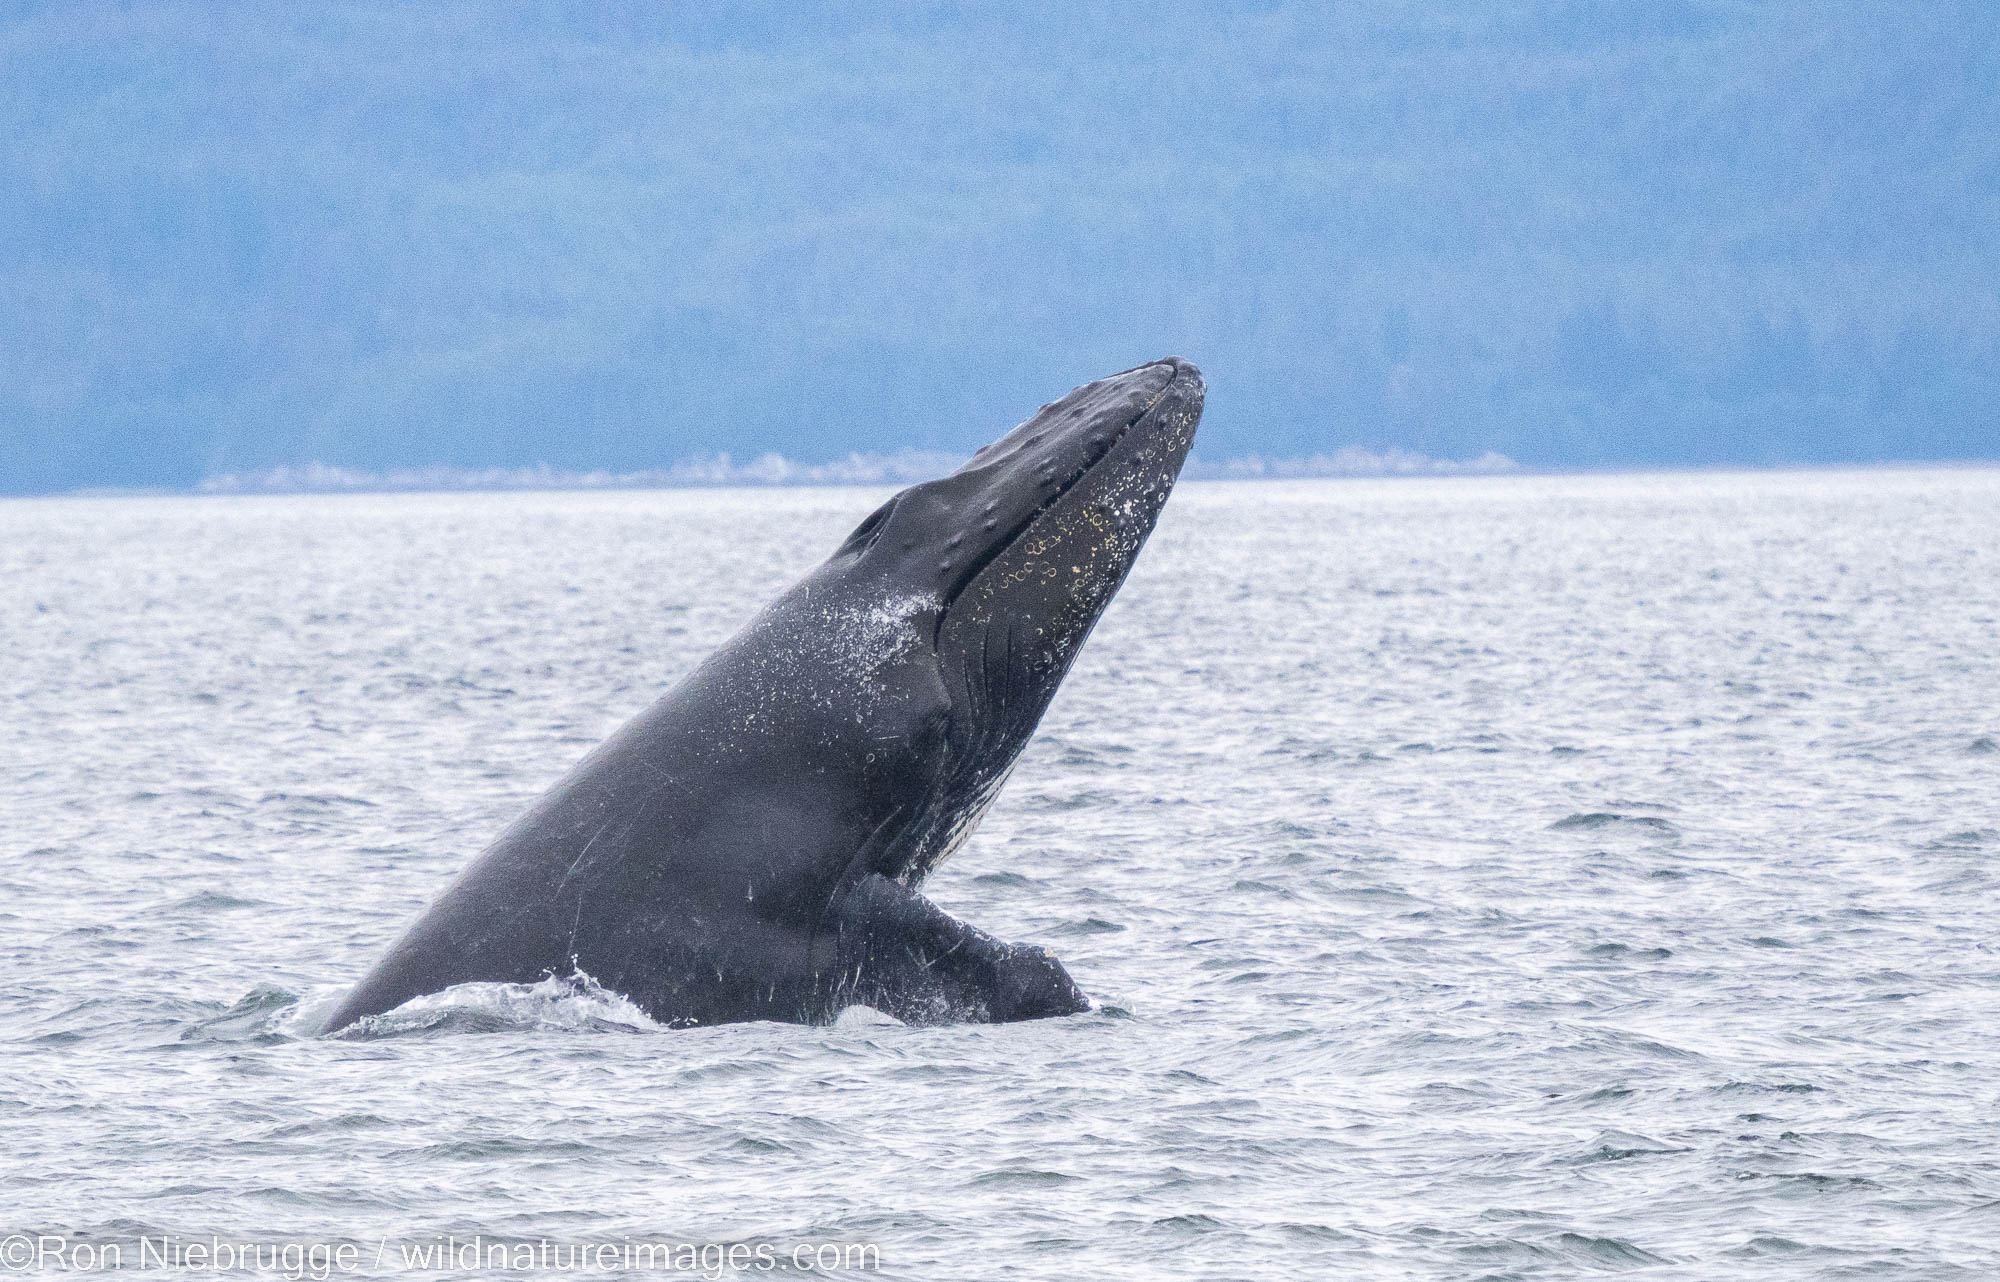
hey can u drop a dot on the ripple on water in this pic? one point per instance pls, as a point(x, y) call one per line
point(1533, 884)
point(1087, 926)
point(1600, 819)
point(1621, 1146)
point(206, 902)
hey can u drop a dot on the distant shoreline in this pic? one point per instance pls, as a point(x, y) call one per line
point(866, 472)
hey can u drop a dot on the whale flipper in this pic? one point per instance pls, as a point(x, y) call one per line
point(903, 955)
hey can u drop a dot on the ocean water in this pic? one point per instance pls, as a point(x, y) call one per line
point(1485, 878)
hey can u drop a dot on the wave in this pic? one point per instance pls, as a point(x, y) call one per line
point(904, 467)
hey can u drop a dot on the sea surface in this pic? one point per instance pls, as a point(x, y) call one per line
point(1487, 878)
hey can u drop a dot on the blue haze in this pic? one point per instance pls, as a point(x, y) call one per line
point(612, 237)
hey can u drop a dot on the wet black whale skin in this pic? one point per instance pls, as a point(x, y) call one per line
point(751, 845)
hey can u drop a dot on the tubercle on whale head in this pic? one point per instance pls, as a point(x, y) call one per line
point(944, 534)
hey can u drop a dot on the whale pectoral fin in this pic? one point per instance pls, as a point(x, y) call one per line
point(906, 957)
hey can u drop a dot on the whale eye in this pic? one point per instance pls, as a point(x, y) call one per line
point(865, 534)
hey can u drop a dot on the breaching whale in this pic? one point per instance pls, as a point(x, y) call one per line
point(751, 846)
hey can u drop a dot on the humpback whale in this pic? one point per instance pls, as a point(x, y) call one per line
point(752, 845)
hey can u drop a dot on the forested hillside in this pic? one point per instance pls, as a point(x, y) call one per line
point(615, 236)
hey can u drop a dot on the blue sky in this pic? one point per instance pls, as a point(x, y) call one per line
point(598, 236)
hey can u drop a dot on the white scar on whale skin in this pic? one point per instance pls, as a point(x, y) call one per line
point(870, 638)
point(866, 642)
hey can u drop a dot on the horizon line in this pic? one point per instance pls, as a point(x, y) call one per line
point(773, 470)
point(907, 467)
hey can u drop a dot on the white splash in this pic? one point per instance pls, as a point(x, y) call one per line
point(573, 1003)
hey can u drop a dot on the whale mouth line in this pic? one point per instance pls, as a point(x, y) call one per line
point(1095, 454)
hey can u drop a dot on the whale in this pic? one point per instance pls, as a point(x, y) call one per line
point(753, 845)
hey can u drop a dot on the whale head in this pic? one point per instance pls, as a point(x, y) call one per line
point(1014, 557)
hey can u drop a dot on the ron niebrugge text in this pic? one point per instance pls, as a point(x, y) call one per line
point(299, 1260)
